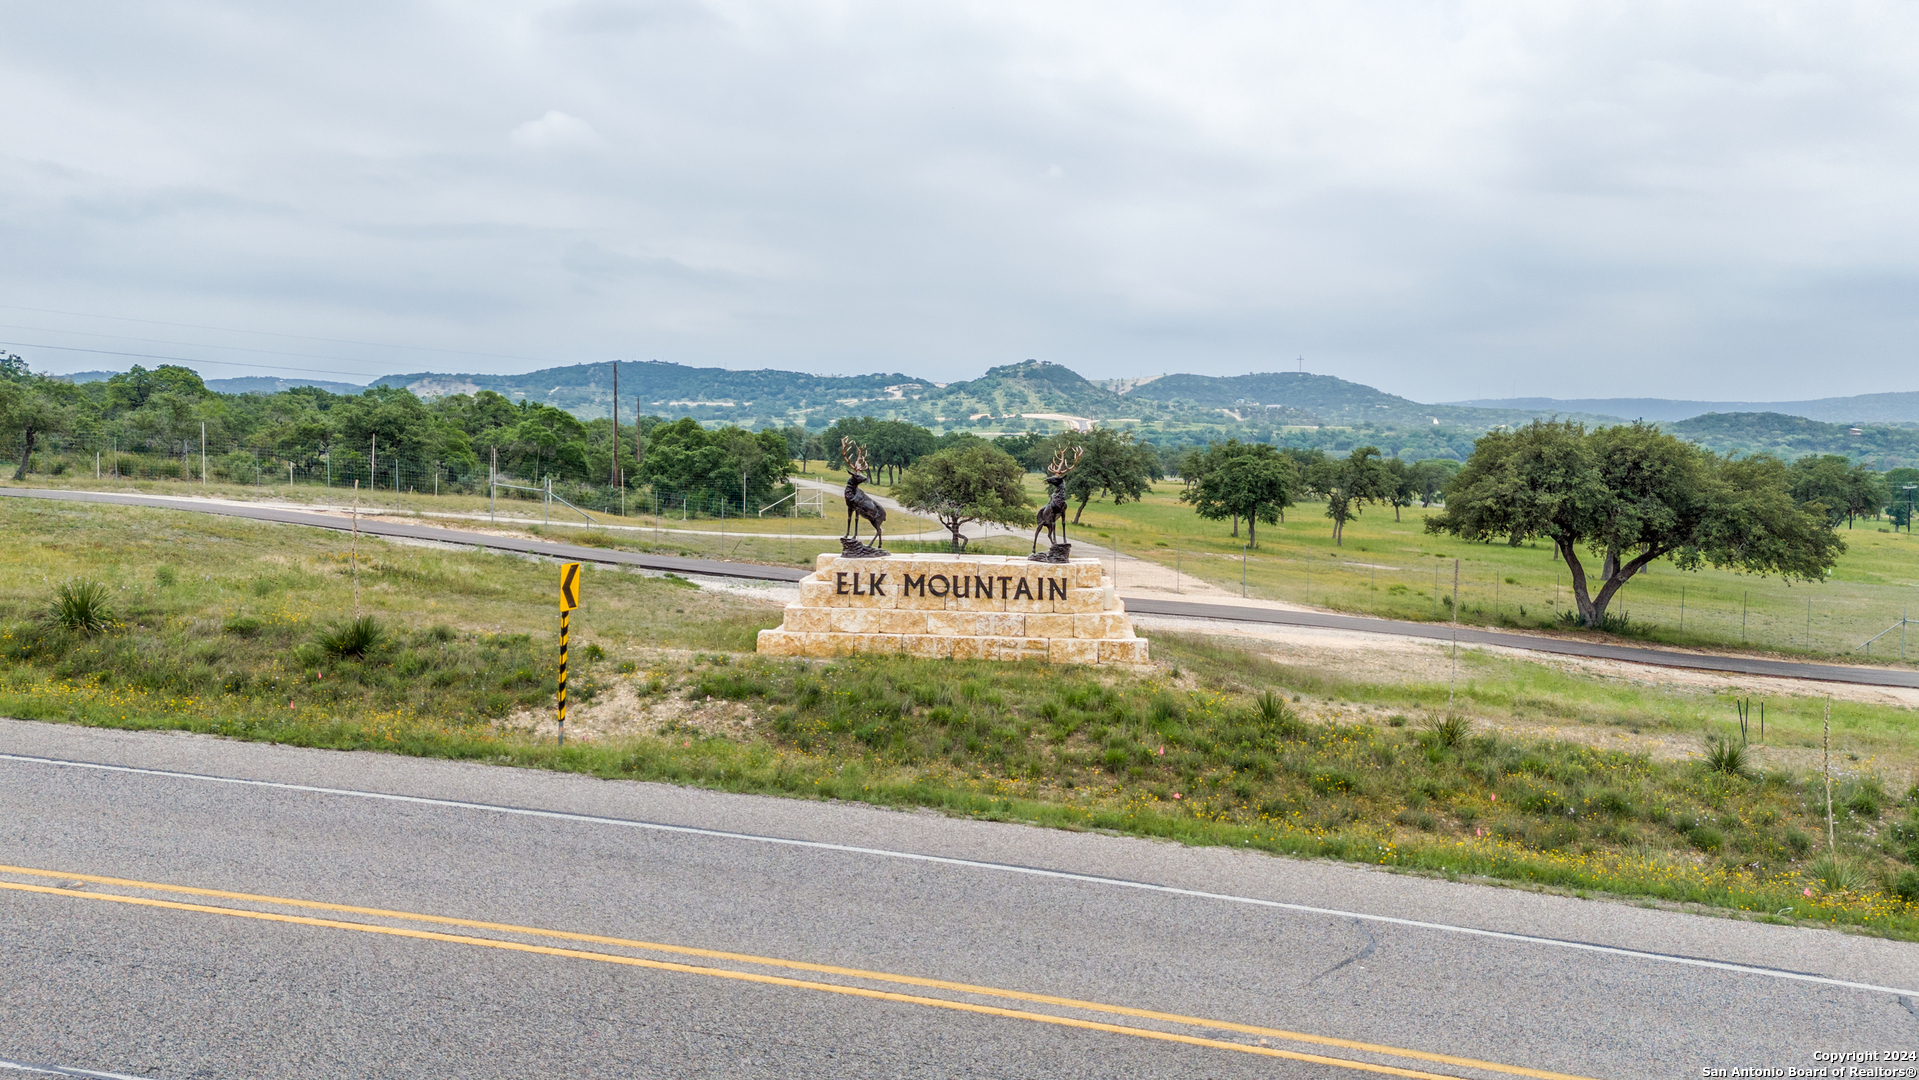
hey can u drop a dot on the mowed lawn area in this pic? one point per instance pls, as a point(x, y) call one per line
point(1396, 569)
point(1544, 776)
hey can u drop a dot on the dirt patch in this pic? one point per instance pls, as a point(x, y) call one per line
point(650, 701)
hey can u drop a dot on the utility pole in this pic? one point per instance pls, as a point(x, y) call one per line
point(616, 425)
point(373, 463)
point(492, 485)
point(203, 453)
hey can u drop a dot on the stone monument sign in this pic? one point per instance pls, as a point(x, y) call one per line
point(960, 607)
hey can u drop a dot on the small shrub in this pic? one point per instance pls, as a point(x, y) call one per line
point(1449, 731)
point(166, 576)
point(1906, 887)
point(353, 640)
point(626, 667)
point(242, 626)
point(1706, 838)
point(81, 606)
point(593, 651)
point(1866, 798)
point(1726, 756)
point(1833, 873)
point(441, 633)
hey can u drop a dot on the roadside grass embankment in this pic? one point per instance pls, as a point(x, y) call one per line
point(218, 626)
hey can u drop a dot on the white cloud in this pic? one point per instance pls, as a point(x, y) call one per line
point(555, 131)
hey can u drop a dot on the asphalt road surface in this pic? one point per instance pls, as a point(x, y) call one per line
point(1744, 665)
point(180, 906)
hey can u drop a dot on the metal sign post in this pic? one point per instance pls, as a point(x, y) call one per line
point(569, 599)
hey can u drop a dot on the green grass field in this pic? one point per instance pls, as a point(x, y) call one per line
point(220, 626)
point(1397, 570)
point(1386, 567)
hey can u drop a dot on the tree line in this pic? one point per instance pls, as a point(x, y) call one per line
point(1627, 495)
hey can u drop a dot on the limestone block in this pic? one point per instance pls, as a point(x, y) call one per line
point(878, 643)
point(1081, 601)
point(779, 643)
point(1072, 651)
point(1126, 651)
point(855, 620)
point(952, 623)
point(969, 648)
point(1002, 648)
point(1104, 624)
point(870, 587)
point(1051, 626)
point(900, 622)
point(801, 619)
point(1109, 599)
point(1087, 573)
point(824, 645)
point(1037, 603)
point(824, 559)
point(1000, 625)
point(976, 599)
point(816, 593)
point(928, 646)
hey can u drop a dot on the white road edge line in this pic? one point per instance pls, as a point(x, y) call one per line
point(975, 864)
point(62, 1070)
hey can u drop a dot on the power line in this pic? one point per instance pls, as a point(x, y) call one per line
point(272, 333)
point(189, 344)
point(181, 359)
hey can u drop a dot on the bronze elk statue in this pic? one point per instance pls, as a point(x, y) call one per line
point(859, 502)
point(1052, 516)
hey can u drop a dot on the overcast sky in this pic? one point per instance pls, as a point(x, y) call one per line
point(1711, 200)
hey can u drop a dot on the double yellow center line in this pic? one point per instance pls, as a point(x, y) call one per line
point(1098, 1008)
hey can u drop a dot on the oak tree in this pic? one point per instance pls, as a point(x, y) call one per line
point(1630, 495)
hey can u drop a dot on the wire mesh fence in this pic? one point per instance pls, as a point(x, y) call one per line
point(1859, 618)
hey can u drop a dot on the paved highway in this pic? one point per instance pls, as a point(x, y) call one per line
point(1143, 605)
point(181, 906)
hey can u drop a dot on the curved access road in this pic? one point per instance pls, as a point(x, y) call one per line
point(1139, 605)
point(182, 906)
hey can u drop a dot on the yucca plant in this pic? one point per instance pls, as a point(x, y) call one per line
point(81, 606)
point(1836, 874)
point(355, 639)
point(1449, 730)
point(1726, 756)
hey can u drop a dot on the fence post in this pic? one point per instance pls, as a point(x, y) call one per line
point(1745, 600)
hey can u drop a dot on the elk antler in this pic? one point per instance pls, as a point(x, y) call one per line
point(853, 454)
point(1060, 466)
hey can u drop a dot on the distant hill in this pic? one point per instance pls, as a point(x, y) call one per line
point(1795, 436)
point(260, 384)
point(246, 384)
point(1330, 399)
point(1899, 408)
point(586, 390)
point(1031, 386)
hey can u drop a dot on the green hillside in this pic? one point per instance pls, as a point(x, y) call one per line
point(586, 390)
point(1795, 436)
point(1031, 386)
point(1329, 399)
